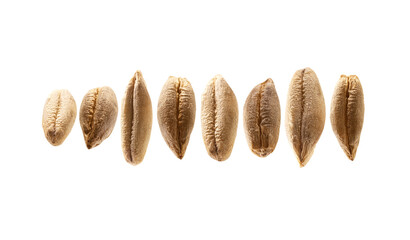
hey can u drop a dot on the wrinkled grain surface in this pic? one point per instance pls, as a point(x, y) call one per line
point(219, 118)
point(305, 114)
point(59, 113)
point(136, 120)
point(98, 114)
point(347, 113)
point(176, 114)
point(261, 118)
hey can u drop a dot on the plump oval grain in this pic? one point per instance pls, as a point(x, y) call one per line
point(59, 113)
point(305, 114)
point(136, 120)
point(261, 118)
point(176, 114)
point(98, 114)
point(347, 113)
point(219, 118)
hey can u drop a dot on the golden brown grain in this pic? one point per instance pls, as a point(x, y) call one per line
point(305, 114)
point(347, 113)
point(176, 114)
point(261, 118)
point(136, 120)
point(59, 113)
point(219, 118)
point(98, 114)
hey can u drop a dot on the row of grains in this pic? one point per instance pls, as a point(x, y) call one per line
point(304, 119)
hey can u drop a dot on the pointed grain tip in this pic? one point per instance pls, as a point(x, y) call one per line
point(218, 77)
point(88, 144)
point(269, 80)
point(137, 75)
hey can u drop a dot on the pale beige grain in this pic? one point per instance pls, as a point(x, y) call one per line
point(98, 114)
point(176, 114)
point(305, 114)
point(261, 118)
point(136, 120)
point(219, 118)
point(347, 113)
point(59, 113)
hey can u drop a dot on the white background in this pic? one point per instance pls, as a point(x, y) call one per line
point(69, 192)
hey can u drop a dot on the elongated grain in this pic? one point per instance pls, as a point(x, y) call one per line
point(136, 120)
point(98, 114)
point(261, 118)
point(347, 113)
point(219, 118)
point(176, 114)
point(59, 113)
point(305, 114)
